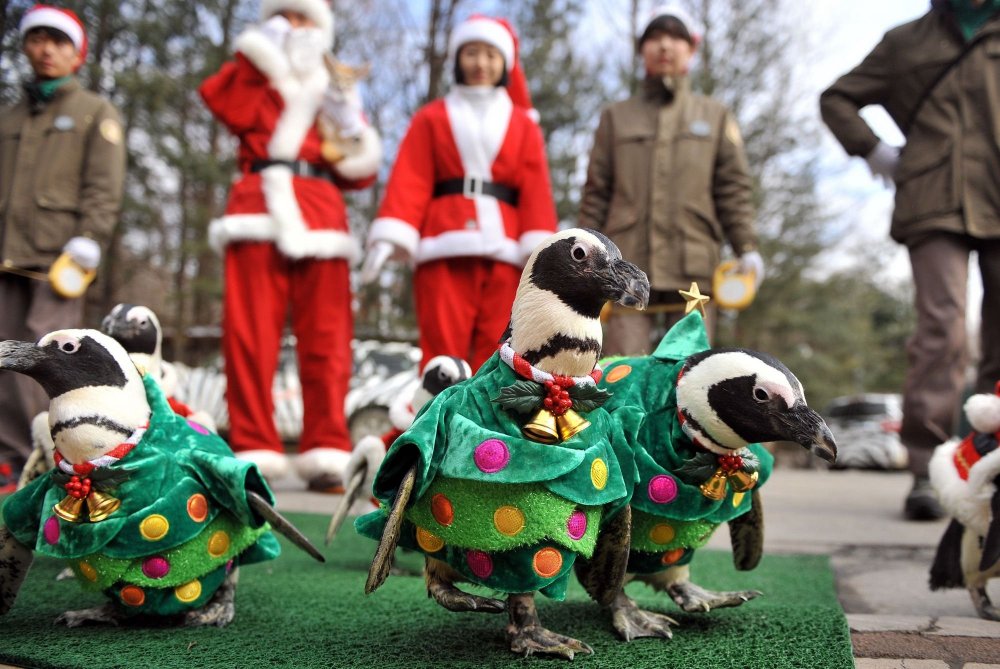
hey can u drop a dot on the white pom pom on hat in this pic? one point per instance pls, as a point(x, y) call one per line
point(983, 412)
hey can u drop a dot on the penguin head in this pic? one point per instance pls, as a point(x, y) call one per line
point(730, 398)
point(135, 327)
point(440, 372)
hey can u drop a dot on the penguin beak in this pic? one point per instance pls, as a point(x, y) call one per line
point(20, 356)
point(627, 285)
point(808, 429)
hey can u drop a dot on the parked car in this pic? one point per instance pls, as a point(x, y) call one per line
point(866, 428)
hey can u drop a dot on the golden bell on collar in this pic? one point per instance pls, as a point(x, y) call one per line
point(743, 481)
point(570, 423)
point(69, 509)
point(101, 505)
point(542, 428)
point(715, 487)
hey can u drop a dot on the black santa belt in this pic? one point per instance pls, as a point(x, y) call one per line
point(299, 168)
point(473, 186)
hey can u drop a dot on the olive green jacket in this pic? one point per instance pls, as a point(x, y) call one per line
point(668, 182)
point(950, 162)
point(61, 175)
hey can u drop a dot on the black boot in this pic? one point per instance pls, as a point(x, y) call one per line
point(922, 502)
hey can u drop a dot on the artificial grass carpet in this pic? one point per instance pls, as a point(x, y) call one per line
point(294, 612)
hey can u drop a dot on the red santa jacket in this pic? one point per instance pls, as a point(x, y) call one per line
point(273, 113)
point(471, 132)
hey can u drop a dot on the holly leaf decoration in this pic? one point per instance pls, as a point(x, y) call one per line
point(698, 469)
point(107, 479)
point(59, 477)
point(588, 398)
point(523, 397)
point(751, 462)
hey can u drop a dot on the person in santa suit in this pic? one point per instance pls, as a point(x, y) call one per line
point(285, 234)
point(468, 198)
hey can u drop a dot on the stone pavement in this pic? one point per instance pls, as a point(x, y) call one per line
point(880, 562)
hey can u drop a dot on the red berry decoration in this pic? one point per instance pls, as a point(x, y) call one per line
point(730, 463)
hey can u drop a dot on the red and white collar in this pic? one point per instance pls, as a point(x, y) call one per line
point(106, 460)
point(529, 371)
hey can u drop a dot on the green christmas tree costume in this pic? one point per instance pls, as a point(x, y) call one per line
point(671, 517)
point(506, 512)
point(183, 524)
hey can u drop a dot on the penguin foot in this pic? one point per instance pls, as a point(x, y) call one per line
point(984, 607)
point(220, 610)
point(454, 599)
point(631, 622)
point(695, 599)
point(105, 613)
point(527, 636)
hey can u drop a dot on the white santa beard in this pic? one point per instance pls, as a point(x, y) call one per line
point(304, 48)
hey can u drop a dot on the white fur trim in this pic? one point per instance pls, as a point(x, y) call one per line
point(240, 227)
point(483, 29)
point(468, 243)
point(317, 10)
point(401, 412)
point(318, 461)
point(530, 240)
point(534, 115)
point(983, 412)
point(968, 501)
point(52, 17)
point(272, 464)
point(397, 231)
point(365, 163)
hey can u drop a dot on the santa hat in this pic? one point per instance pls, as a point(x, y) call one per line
point(983, 411)
point(694, 29)
point(318, 11)
point(63, 20)
point(500, 34)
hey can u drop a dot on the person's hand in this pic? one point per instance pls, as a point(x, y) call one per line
point(344, 109)
point(276, 29)
point(366, 457)
point(752, 263)
point(379, 252)
point(883, 161)
point(84, 251)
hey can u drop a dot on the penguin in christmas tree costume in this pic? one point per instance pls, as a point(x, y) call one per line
point(699, 460)
point(966, 474)
point(148, 508)
point(504, 479)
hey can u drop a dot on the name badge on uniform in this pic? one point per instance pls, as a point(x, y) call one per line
point(700, 128)
point(63, 123)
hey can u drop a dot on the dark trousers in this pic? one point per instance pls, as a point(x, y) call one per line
point(28, 310)
point(935, 379)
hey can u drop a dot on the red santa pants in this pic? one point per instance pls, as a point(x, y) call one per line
point(463, 307)
point(261, 285)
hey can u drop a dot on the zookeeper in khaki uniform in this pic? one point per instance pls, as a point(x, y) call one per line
point(668, 182)
point(62, 163)
point(938, 77)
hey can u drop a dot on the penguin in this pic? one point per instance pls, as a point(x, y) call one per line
point(503, 480)
point(966, 475)
point(147, 507)
point(704, 413)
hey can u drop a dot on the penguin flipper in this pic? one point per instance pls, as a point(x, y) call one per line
point(603, 575)
point(746, 534)
point(382, 561)
point(15, 560)
point(282, 525)
point(946, 570)
point(991, 545)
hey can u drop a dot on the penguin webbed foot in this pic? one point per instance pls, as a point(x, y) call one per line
point(527, 636)
point(105, 614)
point(984, 607)
point(696, 599)
point(220, 610)
point(455, 599)
point(631, 622)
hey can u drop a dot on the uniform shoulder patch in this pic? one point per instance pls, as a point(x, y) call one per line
point(111, 131)
point(733, 132)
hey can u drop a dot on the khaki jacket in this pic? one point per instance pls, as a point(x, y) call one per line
point(947, 175)
point(668, 183)
point(61, 175)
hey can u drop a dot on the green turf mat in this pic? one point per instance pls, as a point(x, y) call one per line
point(294, 612)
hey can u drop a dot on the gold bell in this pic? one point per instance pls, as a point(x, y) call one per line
point(542, 428)
point(715, 487)
point(101, 505)
point(570, 423)
point(69, 509)
point(742, 481)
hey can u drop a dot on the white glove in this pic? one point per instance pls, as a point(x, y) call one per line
point(368, 455)
point(883, 161)
point(84, 251)
point(379, 252)
point(276, 29)
point(752, 263)
point(344, 109)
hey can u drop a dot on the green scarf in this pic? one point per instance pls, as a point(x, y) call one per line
point(971, 17)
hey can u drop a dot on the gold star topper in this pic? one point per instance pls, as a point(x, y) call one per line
point(694, 299)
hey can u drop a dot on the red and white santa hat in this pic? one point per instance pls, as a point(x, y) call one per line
point(318, 10)
point(500, 34)
point(63, 20)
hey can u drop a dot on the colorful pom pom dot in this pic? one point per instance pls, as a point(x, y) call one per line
point(87, 571)
point(491, 456)
point(576, 525)
point(599, 474)
point(154, 527)
point(132, 595)
point(738, 498)
point(155, 567)
point(218, 544)
point(197, 427)
point(480, 563)
point(51, 531)
point(662, 489)
point(662, 534)
point(188, 592)
point(618, 373)
point(547, 562)
point(428, 541)
point(673, 556)
point(442, 510)
point(197, 507)
point(509, 520)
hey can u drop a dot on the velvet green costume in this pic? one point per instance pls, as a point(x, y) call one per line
point(183, 524)
point(670, 515)
point(506, 512)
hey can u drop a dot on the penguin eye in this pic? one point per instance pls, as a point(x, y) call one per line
point(760, 394)
point(67, 344)
point(579, 252)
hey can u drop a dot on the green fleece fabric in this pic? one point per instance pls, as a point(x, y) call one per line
point(459, 494)
point(183, 505)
